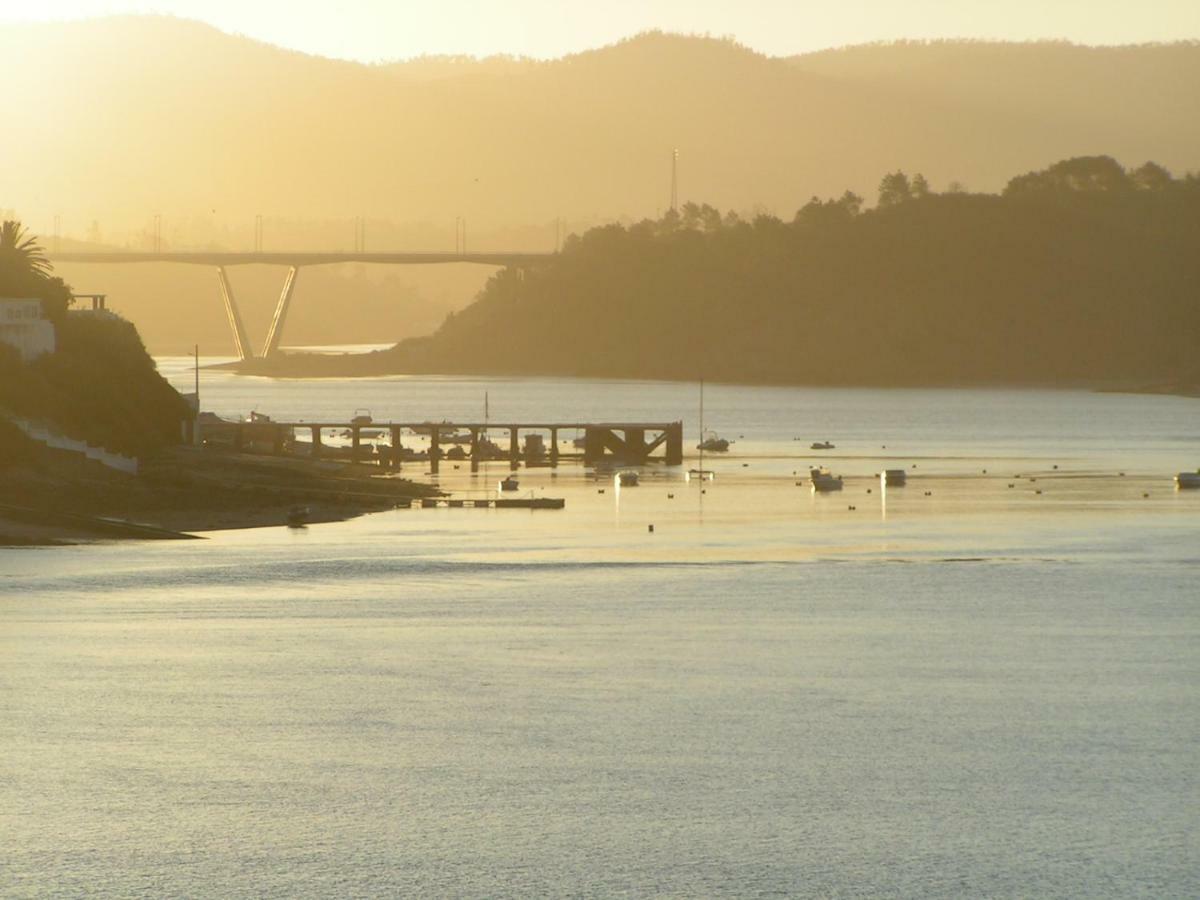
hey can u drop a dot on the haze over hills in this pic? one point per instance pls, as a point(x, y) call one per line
point(123, 118)
point(164, 115)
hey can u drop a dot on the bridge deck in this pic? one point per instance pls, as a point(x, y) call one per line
point(300, 258)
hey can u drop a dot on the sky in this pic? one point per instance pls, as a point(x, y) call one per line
point(372, 30)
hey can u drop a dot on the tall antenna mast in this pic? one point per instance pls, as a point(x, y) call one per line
point(674, 179)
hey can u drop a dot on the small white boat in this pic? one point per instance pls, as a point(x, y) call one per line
point(361, 417)
point(893, 477)
point(627, 479)
point(510, 484)
point(823, 480)
point(700, 475)
point(1187, 480)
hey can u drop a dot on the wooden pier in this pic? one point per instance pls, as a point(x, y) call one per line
point(618, 443)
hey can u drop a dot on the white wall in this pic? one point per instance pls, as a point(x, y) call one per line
point(22, 327)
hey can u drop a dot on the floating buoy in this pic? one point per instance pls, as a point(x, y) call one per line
point(1038, 491)
point(670, 496)
point(1146, 494)
point(852, 507)
point(601, 491)
point(868, 490)
point(1012, 485)
point(1056, 465)
point(651, 529)
point(985, 471)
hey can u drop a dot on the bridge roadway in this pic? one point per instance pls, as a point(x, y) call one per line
point(301, 258)
point(294, 260)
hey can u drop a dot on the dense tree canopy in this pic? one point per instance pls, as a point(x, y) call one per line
point(1083, 272)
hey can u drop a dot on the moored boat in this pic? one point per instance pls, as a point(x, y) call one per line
point(824, 480)
point(893, 477)
point(627, 479)
point(1188, 480)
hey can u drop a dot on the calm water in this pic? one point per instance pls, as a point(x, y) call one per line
point(958, 689)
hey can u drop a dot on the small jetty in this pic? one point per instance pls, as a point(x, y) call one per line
point(484, 503)
point(603, 443)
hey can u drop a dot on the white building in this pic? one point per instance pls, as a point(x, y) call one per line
point(23, 326)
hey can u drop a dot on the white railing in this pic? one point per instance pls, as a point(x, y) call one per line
point(45, 434)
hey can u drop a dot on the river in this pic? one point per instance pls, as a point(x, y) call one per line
point(953, 688)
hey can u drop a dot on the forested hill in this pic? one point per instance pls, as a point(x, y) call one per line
point(506, 142)
point(1083, 273)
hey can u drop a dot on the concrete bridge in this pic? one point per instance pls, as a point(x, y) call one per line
point(294, 260)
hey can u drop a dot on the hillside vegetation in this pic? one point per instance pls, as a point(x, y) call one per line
point(1080, 273)
point(256, 129)
point(99, 386)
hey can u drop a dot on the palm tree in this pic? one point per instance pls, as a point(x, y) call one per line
point(20, 253)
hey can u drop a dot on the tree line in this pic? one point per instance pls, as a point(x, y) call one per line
point(1084, 272)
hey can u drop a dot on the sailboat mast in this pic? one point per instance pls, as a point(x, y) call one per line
point(701, 429)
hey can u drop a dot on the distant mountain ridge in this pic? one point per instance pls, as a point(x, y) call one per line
point(120, 118)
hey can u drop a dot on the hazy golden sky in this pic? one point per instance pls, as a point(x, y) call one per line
point(394, 29)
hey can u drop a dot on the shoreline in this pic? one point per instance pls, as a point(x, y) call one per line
point(188, 490)
point(305, 366)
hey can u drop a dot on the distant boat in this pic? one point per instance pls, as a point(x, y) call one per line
point(361, 417)
point(823, 480)
point(893, 477)
point(713, 444)
point(821, 445)
point(700, 474)
point(627, 479)
point(510, 484)
point(1188, 480)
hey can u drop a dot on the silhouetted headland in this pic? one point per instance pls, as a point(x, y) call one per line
point(1083, 273)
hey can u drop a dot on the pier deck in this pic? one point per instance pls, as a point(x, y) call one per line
point(629, 443)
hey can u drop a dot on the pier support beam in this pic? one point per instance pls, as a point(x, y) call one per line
point(281, 311)
point(397, 449)
point(514, 448)
point(316, 441)
point(675, 444)
point(475, 449)
point(435, 451)
point(240, 342)
point(554, 448)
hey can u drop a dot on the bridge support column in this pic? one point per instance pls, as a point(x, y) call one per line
point(281, 310)
point(240, 343)
point(435, 450)
point(554, 448)
point(475, 449)
point(316, 441)
point(514, 448)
